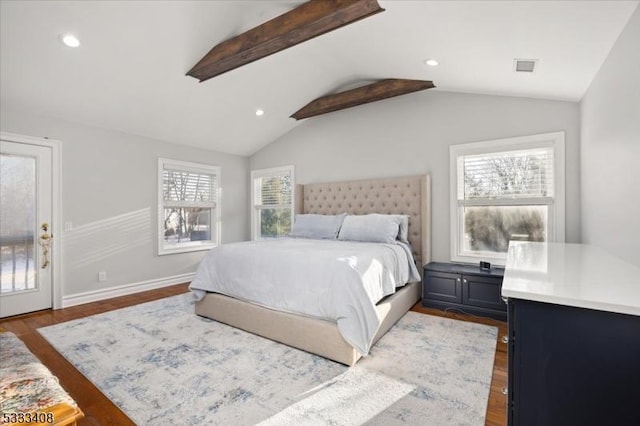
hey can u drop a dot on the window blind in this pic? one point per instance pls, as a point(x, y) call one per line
point(188, 188)
point(506, 175)
point(274, 190)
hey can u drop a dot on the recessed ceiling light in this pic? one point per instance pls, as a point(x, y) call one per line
point(70, 40)
point(259, 112)
point(431, 62)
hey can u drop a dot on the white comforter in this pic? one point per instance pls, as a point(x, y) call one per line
point(336, 280)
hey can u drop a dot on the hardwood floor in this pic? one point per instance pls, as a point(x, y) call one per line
point(99, 410)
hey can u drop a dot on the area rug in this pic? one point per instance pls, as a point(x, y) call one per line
point(161, 364)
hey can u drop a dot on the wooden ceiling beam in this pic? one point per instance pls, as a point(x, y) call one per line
point(305, 22)
point(377, 91)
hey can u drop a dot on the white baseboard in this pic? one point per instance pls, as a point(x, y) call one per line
point(123, 290)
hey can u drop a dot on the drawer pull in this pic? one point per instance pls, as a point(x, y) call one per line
point(465, 281)
point(505, 339)
point(505, 391)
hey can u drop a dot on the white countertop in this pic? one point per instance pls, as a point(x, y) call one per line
point(571, 274)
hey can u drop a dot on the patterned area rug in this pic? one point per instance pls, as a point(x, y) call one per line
point(161, 364)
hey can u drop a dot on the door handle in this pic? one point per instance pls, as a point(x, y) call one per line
point(45, 242)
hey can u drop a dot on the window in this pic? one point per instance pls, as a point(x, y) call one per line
point(189, 206)
point(504, 190)
point(272, 195)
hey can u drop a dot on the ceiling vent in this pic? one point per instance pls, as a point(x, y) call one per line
point(524, 65)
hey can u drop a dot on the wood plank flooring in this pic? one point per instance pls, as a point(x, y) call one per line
point(99, 410)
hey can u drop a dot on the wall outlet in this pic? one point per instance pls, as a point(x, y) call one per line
point(102, 276)
point(68, 226)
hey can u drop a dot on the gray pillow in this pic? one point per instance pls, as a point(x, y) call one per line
point(373, 228)
point(317, 226)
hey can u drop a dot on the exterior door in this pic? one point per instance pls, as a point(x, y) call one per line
point(25, 222)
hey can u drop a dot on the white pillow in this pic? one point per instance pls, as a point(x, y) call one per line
point(403, 233)
point(317, 226)
point(373, 228)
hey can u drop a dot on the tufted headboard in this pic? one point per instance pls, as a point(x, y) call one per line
point(409, 195)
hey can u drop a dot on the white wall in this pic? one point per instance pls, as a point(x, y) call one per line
point(610, 156)
point(411, 134)
point(109, 193)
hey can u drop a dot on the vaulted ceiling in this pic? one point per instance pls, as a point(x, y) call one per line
point(129, 72)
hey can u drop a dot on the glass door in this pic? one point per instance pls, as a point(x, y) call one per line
point(25, 228)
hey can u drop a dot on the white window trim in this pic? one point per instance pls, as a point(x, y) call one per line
point(216, 222)
point(275, 171)
point(556, 230)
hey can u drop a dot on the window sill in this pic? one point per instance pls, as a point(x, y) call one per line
point(186, 249)
point(475, 260)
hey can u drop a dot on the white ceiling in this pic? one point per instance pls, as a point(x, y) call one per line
point(129, 72)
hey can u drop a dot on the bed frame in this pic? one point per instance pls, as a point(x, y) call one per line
point(403, 195)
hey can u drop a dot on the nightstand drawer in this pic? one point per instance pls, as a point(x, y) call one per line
point(443, 287)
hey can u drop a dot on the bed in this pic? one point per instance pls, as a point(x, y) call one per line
point(404, 196)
